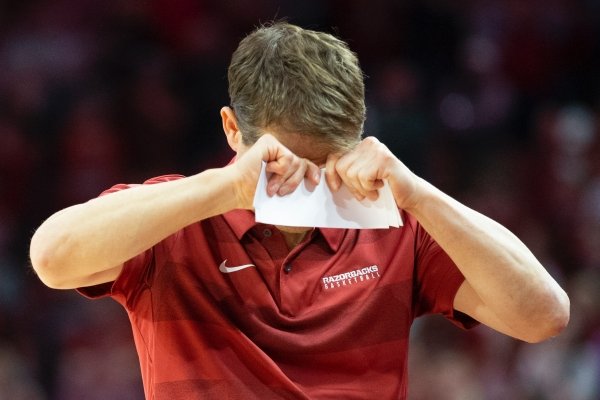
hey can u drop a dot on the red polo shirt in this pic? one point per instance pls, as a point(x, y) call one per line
point(222, 309)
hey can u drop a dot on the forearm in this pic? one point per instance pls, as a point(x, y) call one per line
point(502, 271)
point(88, 238)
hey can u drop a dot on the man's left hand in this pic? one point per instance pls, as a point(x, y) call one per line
point(364, 169)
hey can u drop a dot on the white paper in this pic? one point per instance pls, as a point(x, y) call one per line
point(323, 208)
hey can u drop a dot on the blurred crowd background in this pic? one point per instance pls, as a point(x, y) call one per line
point(497, 102)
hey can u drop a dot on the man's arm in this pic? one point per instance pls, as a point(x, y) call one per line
point(506, 287)
point(88, 243)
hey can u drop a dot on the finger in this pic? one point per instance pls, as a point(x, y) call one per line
point(283, 163)
point(280, 160)
point(313, 172)
point(357, 195)
point(291, 182)
point(306, 170)
point(358, 178)
point(368, 186)
point(272, 149)
point(281, 170)
point(331, 175)
point(276, 156)
point(349, 175)
point(368, 181)
point(273, 184)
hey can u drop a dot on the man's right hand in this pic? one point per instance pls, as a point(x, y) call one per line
point(287, 170)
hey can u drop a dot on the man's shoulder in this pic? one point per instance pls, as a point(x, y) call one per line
point(163, 178)
point(151, 181)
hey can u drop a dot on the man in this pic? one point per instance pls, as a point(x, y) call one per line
point(224, 307)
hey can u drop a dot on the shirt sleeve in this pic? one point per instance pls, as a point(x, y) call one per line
point(134, 277)
point(437, 279)
point(136, 273)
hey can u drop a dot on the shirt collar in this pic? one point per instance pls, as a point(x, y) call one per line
point(333, 237)
point(240, 220)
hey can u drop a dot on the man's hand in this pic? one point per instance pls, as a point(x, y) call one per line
point(287, 170)
point(364, 169)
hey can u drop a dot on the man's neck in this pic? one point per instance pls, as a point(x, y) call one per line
point(293, 239)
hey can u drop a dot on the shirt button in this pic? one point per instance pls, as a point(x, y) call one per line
point(267, 232)
point(287, 268)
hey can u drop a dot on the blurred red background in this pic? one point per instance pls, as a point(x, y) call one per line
point(497, 102)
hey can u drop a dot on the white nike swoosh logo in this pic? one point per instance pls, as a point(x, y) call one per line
point(227, 270)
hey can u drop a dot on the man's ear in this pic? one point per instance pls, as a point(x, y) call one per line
point(230, 127)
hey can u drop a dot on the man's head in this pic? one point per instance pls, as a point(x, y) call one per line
point(286, 79)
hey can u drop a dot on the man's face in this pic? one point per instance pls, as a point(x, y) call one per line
point(303, 146)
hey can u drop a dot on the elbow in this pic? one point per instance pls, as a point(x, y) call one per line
point(45, 262)
point(551, 321)
point(46, 274)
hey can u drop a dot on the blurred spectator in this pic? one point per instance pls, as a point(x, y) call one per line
point(16, 379)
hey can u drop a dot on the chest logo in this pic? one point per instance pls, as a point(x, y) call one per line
point(227, 270)
point(351, 277)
